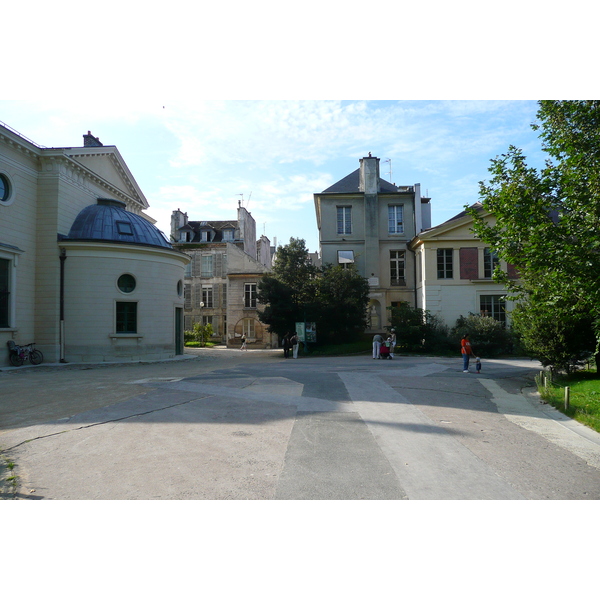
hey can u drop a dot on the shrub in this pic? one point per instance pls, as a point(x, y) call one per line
point(488, 336)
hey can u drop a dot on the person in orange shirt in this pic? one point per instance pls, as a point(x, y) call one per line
point(467, 352)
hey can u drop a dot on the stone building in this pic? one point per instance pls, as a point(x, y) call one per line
point(367, 221)
point(79, 258)
point(221, 280)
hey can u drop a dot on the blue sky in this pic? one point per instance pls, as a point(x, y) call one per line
point(204, 156)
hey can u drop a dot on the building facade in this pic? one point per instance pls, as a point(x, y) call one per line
point(79, 258)
point(454, 272)
point(221, 280)
point(369, 222)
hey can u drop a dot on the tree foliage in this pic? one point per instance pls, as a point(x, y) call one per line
point(296, 290)
point(547, 222)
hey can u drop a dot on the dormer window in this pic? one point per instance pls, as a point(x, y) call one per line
point(205, 236)
point(228, 235)
point(185, 236)
point(124, 228)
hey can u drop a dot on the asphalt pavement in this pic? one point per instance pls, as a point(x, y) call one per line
point(223, 424)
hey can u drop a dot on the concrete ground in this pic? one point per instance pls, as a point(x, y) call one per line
point(224, 424)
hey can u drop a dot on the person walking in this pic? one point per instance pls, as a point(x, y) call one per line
point(295, 343)
point(377, 341)
point(467, 351)
point(243, 347)
point(286, 345)
point(392, 342)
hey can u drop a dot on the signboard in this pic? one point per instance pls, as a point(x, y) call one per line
point(307, 332)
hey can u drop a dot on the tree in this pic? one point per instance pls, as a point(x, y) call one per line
point(547, 222)
point(202, 333)
point(342, 299)
point(296, 291)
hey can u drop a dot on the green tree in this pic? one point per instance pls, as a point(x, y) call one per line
point(341, 307)
point(547, 222)
point(418, 330)
point(202, 333)
point(296, 290)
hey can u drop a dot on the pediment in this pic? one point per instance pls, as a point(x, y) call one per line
point(108, 164)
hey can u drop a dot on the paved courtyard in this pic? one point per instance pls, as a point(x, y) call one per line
point(223, 424)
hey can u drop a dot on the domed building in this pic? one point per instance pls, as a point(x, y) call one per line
point(84, 272)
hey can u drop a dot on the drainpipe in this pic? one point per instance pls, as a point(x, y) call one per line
point(63, 257)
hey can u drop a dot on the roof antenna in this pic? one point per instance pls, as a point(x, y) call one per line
point(389, 160)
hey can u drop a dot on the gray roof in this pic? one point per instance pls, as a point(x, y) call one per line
point(108, 221)
point(349, 185)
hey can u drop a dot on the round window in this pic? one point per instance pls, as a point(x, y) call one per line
point(126, 283)
point(4, 188)
point(179, 287)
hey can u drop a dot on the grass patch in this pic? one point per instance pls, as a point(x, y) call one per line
point(200, 345)
point(584, 402)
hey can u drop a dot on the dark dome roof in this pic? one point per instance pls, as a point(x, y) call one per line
point(108, 221)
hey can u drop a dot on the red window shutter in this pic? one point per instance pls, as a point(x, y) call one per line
point(512, 271)
point(469, 267)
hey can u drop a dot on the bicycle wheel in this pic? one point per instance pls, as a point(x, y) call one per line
point(36, 357)
point(15, 359)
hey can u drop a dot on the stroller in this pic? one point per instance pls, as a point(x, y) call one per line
point(384, 351)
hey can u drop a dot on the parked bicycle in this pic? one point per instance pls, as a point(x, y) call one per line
point(21, 354)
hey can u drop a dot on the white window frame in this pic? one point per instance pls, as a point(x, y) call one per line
point(248, 328)
point(206, 261)
point(397, 261)
point(250, 293)
point(447, 269)
point(207, 295)
point(344, 220)
point(395, 219)
point(490, 262)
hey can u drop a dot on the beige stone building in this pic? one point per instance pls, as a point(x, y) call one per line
point(454, 272)
point(221, 280)
point(367, 221)
point(83, 271)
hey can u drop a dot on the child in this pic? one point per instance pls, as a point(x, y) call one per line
point(478, 364)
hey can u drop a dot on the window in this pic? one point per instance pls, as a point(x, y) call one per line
point(5, 189)
point(397, 267)
point(344, 219)
point(180, 288)
point(207, 266)
point(228, 235)
point(345, 258)
point(493, 306)
point(126, 283)
point(248, 328)
point(126, 317)
point(396, 219)
point(4, 292)
point(250, 295)
point(185, 236)
point(444, 263)
point(490, 262)
point(207, 296)
point(205, 236)
point(124, 228)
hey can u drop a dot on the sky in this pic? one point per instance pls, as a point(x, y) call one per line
point(204, 157)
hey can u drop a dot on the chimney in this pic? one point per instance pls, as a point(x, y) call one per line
point(369, 175)
point(90, 140)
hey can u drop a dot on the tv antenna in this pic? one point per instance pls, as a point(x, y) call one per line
point(389, 160)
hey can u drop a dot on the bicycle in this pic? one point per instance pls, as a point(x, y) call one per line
point(20, 354)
